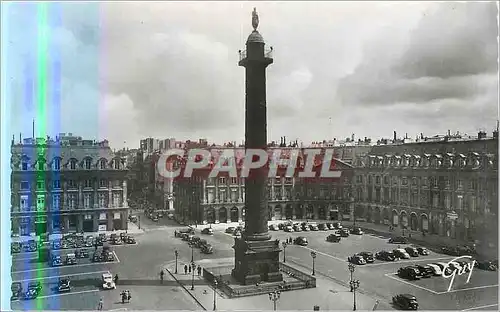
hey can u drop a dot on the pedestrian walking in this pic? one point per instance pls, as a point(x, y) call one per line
point(99, 305)
point(185, 269)
point(175, 233)
point(189, 269)
point(199, 270)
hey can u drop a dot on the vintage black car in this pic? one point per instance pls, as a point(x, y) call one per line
point(17, 290)
point(70, 259)
point(34, 289)
point(337, 225)
point(81, 253)
point(56, 260)
point(272, 227)
point(301, 241)
point(356, 231)
point(425, 271)
point(207, 231)
point(132, 218)
point(207, 249)
point(423, 251)
point(398, 240)
point(330, 226)
point(129, 240)
point(97, 257)
point(64, 285)
point(304, 227)
point(385, 255)
point(344, 233)
point(57, 244)
point(333, 238)
point(230, 230)
point(187, 231)
point(116, 241)
point(15, 247)
point(357, 259)
point(405, 302)
point(412, 251)
point(452, 251)
point(108, 256)
point(297, 228)
point(313, 227)
point(201, 243)
point(368, 256)
point(409, 272)
point(486, 265)
point(322, 227)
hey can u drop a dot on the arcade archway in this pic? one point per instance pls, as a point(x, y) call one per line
point(413, 221)
point(288, 212)
point(234, 214)
point(210, 215)
point(404, 219)
point(277, 212)
point(376, 215)
point(223, 215)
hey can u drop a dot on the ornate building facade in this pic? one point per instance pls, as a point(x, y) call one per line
point(222, 199)
point(448, 188)
point(67, 185)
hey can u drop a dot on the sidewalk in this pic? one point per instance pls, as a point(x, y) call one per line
point(327, 295)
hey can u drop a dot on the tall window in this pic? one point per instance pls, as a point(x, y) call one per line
point(72, 201)
point(103, 183)
point(57, 164)
point(72, 164)
point(116, 163)
point(24, 165)
point(41, 165)
point(86, 201)
point(116, 200)
point(234, 180)
point(102, 164)
point(87, 183)
point(88, 163)
point(56, 201)
point(102, 200)
point(24, 203)
point(71, 184)
point(40, 185)
point(25, 185)
point(222, 180)
point(447, 201)
point(57, 184)
point(222, 196)
point(40, 203)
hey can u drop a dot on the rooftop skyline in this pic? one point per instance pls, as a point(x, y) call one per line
point(130, 71)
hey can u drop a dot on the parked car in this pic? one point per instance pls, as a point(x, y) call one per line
point(301, 241)
point(444, 267)
point(401, 254)
point(201, 242)
point(486, 265)
point(15, 247)
point(64, 285)
point(116, 241)
point(337, 225)
point(425, 271)
point(81, 253)
point(330, 226)
point(356, 231)
point(333, 238)
point(436, 269)
point(412, 251)
point(187, 231)
point(207, 231)
point(70, 259)
point(17, 290)
point(451, 251)
point(322, 227)
point(107, 281)
point(368, 256)
point(385, 255)
point(57, 244)
point(207, 249)
point(297, 228)
point(313, 227)
point(464, 265)
point(56, 260)
point(34, 289)
point(344, 232)
point(398, 240)
point(272, 227)
point(356, 259)
point(129, 240)
point(405, 302)
point(288, 229)
point(108, 256)
point(230, 230)
point(423, 251)
point(97, 257)
point(304, 227)
point(409, 272)
point(194, 240)
point(133, 218)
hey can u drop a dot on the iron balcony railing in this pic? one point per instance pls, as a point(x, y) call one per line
point(268, 52)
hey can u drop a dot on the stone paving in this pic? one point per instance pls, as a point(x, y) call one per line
point(327, 295)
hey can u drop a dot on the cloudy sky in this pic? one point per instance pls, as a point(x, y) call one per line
point(125, 71)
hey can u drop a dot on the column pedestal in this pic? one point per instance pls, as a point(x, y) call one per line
point(256, 261)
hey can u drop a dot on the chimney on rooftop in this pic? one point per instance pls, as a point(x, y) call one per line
point(394, 132)
point(449, 132)
point(352, 137)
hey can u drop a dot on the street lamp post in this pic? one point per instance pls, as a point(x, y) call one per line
point(193, 266)
point(313, 255)
point(139, 221)
point(215, 294)
point(176, 256)
point(354, 284)
point(274, 297)
point(284, 244)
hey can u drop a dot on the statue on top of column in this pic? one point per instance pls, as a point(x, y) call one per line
point(255, 19)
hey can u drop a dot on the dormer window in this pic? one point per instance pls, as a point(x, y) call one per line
point(41, 165)
point(72, 164)
point(116, 163)
point(88, 163)
point(56, 164)
point(102, 164)
point(24, 165)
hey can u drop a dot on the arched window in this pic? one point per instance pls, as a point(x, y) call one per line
point(88, 163)
point(56, 165)
point(72, 164)
point(116, 163)
point(102, 164)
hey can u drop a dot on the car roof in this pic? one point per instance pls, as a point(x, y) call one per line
point(106, 275)
point(408, 296)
